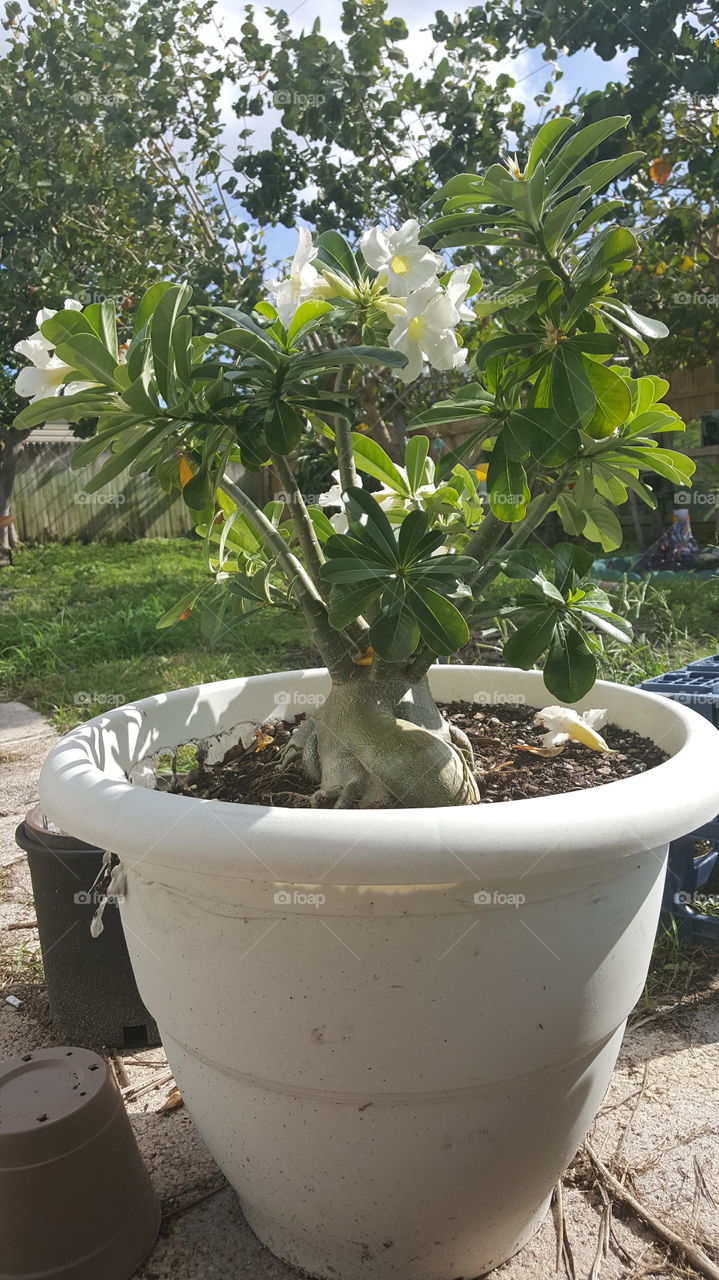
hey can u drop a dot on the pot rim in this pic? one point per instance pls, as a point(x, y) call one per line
point(84, 789)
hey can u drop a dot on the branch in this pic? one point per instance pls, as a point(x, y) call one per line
point(301, 519)
point(343, 444)
point(335, 648)
point(692, 1253)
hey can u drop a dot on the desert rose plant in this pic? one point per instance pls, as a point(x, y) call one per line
point(387, 581)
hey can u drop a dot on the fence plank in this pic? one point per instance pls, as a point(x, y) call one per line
point(50, 503)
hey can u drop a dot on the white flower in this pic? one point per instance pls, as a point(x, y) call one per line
point(333, 498)
point(426, 332)
point(45, 375)
point(562, 724)
point(303, 282)
point(400, 258)
point(457, 290)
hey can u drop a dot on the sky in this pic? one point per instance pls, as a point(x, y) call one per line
point(580, 71)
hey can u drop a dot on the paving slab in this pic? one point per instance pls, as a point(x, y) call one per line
point(19, 723)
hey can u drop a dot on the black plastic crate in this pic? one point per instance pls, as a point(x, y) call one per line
point(693, 881)
point(707, 665)
point(696, 689)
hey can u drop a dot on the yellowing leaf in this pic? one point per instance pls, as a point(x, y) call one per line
point(186, 472)
point(659, 169)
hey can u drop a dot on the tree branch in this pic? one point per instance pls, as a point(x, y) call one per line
point(301, 519)
point(335, 647)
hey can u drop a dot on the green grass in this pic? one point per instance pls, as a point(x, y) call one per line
point(674, 623)
point(81, 620)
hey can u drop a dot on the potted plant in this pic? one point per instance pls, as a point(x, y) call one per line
point(394, 1012)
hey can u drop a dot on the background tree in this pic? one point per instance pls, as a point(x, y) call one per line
point(108, 168)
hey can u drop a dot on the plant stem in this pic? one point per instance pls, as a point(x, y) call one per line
point(343, 445)
point(301, 520)
point(335, 648)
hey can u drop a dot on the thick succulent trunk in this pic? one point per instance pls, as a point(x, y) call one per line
point(383, 742)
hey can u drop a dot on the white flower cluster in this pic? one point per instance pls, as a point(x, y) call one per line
point(425, 314)
point(45, 375)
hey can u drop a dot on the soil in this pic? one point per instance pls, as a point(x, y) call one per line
point(504, 768)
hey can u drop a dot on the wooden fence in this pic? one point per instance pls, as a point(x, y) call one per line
point(50, 503)
point(693, 391)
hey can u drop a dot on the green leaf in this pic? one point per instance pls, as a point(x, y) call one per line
point(347, 603)
point(666, 462)
point(283, 427)
point(579, 146)
point(544, 436)
point(371, 458)
point(570, 668)
point(85, 353)
point(648, 328)
point(505, 342)
point(569, 561)
point(120, 461)
point(506, 484)
point(606, 621)
point(164, 317)
point(394, 637)
point(527, 644)
point(601, 210)
point(561, 218)
point(64, 325)
point(249, 343)
point(334, 251)
point(441, 625)
point(572, 395)
point(149, 302)
point(306, 317)
point(378, 527)
point(613, 400)
point(601, 525)
point(546, 140)
point(347, 570)
point(451, 411)
point(601, 174)
point(612, 246)
point(332, 359)
point(139, 397)
point(60, 408)
point(415, 457)
point(174, 614)
point(182, 349)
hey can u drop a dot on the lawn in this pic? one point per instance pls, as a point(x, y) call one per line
point(78, 628)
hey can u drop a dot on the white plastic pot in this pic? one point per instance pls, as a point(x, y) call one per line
point(392, 1028)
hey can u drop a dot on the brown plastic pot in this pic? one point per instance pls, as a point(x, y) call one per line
point(76, 1200)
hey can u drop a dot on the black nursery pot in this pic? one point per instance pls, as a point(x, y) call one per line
point(91, 987)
